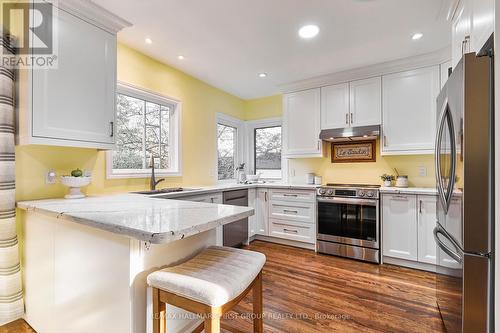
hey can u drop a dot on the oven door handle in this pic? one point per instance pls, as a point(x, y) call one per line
point(349, 201)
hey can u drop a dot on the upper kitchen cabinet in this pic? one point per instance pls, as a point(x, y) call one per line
point(335, 106)
point(357, 103)
point(472, 24)
point(365, 102)
point(483, 22)
point(301, 124)
point(74, 103)
point(409, 111)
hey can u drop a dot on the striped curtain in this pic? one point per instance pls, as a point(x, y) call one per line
point(11, 293)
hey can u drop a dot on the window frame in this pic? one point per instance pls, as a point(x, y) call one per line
point(226, 120)
point(251, 126)
point(175, 151)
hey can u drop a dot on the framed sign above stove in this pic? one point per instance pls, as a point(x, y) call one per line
point(356, 151)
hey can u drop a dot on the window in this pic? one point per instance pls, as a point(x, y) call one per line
point(265, 147)
point(229, 146)
point(146, 124)
point(267, 152)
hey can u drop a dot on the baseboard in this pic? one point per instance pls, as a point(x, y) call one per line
point(409, 264)
point(284, 242)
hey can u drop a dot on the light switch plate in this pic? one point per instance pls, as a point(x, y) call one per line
point(422, 171)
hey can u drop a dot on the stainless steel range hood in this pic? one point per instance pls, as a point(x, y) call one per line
point(350, 134)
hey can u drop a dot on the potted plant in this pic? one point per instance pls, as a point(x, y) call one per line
point(387, 179)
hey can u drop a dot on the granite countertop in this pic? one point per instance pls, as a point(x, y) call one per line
point(137, 216)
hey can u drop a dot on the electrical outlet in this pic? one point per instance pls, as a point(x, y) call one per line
point(422, 171)
point(50, 177)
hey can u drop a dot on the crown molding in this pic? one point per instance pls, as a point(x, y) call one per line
point(94, 14)
point(428, 59)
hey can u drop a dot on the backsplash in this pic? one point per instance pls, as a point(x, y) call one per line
point(366, 172)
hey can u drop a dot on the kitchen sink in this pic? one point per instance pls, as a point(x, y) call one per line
point(166, 190)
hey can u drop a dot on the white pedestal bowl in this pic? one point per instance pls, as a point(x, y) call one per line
point(74, 184)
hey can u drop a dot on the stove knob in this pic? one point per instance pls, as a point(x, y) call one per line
point(329, 192)
point(369, 194)
point(322, 191)
point(361, 193)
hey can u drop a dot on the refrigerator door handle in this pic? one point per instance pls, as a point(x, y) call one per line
point(437, 159)
point(437, 230)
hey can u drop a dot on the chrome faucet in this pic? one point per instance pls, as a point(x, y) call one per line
point(153, 182)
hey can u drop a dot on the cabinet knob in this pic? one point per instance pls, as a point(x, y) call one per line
point(352, 121)
point(112, 128)
point(347, 118)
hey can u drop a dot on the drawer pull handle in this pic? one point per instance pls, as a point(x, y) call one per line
point(290, 195)
point(290, 211)
point(290, 231)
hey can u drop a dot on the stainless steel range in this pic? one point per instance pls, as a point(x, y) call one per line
point(348, 221)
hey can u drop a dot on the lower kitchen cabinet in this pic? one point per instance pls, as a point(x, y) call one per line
point(426, 225)
point(399, 226)
point(262, 212)
point(301, 232)
point(408, 222)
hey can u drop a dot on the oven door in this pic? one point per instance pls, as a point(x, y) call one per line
point(349, 221)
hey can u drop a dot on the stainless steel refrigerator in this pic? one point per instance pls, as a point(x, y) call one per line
point(465, 208)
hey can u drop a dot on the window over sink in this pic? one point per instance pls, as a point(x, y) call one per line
point(146, 124)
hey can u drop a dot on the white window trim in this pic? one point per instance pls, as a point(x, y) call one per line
point(250, 126)
point(224, 119)
point(175, 130)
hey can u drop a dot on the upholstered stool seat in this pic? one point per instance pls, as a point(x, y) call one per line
point(209, 284)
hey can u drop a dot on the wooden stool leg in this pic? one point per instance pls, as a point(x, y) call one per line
point(212, 322)
point(258, 311)
point(156, 310)
point(163, 317)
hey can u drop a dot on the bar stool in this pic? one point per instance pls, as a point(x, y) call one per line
point(210, 285)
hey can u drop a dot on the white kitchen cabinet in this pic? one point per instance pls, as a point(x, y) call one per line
point(409, 111)
point(262, 212)
point(365, 102)
point(461, 28)
point(73, 104)
point(335, 106)
point(426, 224)
point(399, 226)
point(252, 201)
point(443, 76)
point(301, 124)
point(483, 22)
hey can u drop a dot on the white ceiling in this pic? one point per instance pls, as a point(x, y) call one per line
point(226, 43)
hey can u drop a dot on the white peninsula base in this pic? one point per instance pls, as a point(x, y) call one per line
point(80, 279)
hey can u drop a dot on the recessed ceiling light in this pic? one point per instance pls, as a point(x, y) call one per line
point(262, 74)
point(180, 57)
point(417, 36)
point(148, 41)
point(308, 31)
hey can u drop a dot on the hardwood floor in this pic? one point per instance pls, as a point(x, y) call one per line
point(309, 292)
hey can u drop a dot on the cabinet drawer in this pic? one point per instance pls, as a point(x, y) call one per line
point(293, 195)
point(292, 232)
point(292, 211)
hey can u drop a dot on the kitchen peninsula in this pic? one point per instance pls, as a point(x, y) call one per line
point(76, 254)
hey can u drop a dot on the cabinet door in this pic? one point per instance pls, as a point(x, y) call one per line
point(301, 124)
point(399, 226)
point(76, 101)
point(443, 77)
point(460, 31)
point(483, 22)
point(426, 224)
point(409, 111)
point(262, 212)
point(365, 102)
point(335, 106)
point(252, 201)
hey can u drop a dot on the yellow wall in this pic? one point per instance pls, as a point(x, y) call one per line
point(200, 102)
point(345, 172)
